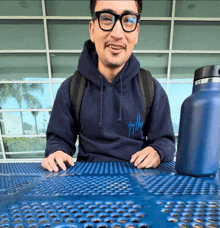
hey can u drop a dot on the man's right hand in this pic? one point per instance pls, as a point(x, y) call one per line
point(57, 158)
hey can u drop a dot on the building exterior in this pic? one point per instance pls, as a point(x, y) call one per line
point(41, 41)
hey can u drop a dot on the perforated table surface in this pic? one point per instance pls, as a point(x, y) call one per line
point(102, 195)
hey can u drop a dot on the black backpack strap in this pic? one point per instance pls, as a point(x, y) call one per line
point(76, 93)
point(146, 84)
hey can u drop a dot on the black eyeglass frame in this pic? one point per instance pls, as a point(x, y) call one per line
point(117, 16)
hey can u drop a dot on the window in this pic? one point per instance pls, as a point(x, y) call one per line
point(41, 42)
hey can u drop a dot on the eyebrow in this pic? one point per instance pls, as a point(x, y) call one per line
point(125, 11)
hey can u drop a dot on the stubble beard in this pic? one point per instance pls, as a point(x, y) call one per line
point(114, 65)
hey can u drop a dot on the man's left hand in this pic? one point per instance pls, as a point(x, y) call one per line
point(146, 158)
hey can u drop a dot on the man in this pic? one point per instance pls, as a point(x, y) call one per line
point(112, 112)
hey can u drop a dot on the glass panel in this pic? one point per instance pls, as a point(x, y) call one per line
point(198, 35)
point(55, 89)
point(154, 35)
point(26, 123)
point(164, 85)
point(155, 63)
point(156, 8)
point(20, 8)
point(25, 96)
point(63, 65)
point(186, 8)
point(68, 8)
point(68, 34)
point(1, 124)
point(25, 147)
point(30, 67)
point(21, 34)
point(178, 93)
point(183, 66)
point(175, 115)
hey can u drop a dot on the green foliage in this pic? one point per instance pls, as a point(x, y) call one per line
point(24, 144)
point(22, 92)
point(27, 126)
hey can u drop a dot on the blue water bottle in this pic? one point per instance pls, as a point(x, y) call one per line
point(198, 142)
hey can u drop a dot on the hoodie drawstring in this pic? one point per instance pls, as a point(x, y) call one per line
point(120, 118)
point(100, 122)
point(101, 109)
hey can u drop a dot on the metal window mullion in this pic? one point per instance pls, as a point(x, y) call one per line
point(21, 17)
point(135, 51)
point(181, 82)
point(170, 46)
point(150, 51)
point(71, 18)
point(23, 51)
point(65, 51)
point(195, 52)
point(47, 51)
point(24, 82)
point(208, 19)
point(24, 160)
point(24, 136)
point(156, 18)
point(75, 18)
point(88, 18)
point(57, 82)
point(25, 110)
point(2, 146)
point(17, 160)
point(26, 152)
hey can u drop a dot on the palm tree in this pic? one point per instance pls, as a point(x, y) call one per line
point(5, 93)
point(37, 105)
point(22, 92)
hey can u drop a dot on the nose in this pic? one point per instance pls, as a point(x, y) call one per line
point(117, 32)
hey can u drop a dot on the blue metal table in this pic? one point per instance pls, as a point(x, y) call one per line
point(102, 195)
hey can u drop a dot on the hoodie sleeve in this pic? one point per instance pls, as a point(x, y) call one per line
point(61, 132)
point(160, 132)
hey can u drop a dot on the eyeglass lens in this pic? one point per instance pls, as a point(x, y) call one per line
point(107, 21)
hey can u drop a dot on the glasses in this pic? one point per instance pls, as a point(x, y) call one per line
point(107, 20)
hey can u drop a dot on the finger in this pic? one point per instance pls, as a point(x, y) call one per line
point(144, 163)
point(153, 163)
point(142, 156)
point(150, 160)
point(69, 160)
point(46, 165)
point(60, 162)
point(52, 164)
point(157, 162)
point(134, 157)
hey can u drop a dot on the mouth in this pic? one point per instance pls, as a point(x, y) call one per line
point(116, 46)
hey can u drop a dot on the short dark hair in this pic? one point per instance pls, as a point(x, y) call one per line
point(93, 3)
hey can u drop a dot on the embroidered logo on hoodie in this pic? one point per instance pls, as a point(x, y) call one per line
point(134, 127)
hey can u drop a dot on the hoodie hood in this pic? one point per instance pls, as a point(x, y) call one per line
point(111, 116)
point(89, 58)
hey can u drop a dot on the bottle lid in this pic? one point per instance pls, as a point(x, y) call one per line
point(207, 72)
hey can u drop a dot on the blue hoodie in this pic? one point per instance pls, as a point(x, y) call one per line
point(111, 116)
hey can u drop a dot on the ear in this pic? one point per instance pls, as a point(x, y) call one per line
point(91, 30)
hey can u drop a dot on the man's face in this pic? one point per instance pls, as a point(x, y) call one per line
point(113, 47)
